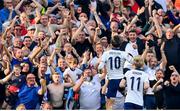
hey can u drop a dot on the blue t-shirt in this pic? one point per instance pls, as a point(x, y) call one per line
point(29, 97)
point(4, 14)
point(16, 61)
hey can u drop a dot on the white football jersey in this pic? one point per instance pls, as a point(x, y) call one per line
point(114, 60)
point(135, 80)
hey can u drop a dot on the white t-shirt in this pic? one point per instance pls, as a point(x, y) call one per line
point(151, 76)
point(129, 49)
point(94, 61)
point(73, 73)
point(163, 4)
point(135, 85)
point(114, 61)
point(90, 98)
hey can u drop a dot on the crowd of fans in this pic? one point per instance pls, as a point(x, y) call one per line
point(54, 54)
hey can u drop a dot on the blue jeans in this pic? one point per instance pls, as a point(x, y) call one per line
point(132, 106)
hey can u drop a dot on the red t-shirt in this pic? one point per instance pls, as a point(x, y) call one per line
point(134, 7)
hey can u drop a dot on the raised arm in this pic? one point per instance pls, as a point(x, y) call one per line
point(7, 78)
point(75, 35)
point(170, 14)
point(50, 61)
point(43, 88)
point(7, 52)
point(96, 35)
point(175, 29)
point(36, 52)
point(18, 7)
point(157, 26)
point(70, 82)
point(172, 68)
point(38, 5)
point(134, 20)
point(77, 86)
point(97, 18)
point(150, 7)
point(72, 10)
point(3, 42)
point(89, 32)
point(145, 51)
point(164, 60)
point(157, 86)
point(51, 9)
point(7, 70)
point(44, 2)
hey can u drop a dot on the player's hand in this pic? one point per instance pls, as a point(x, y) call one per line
point(104, 88)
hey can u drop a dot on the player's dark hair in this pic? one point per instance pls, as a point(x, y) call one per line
point(116, 41)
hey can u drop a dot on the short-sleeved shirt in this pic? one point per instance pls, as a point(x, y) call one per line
point(16, 61)
point(90, 98)
point(18, 81)
point(172, 96)
point(135, 86)
point(74, 74)
point(82, 47)
point(114, 60)
point(29, 96)
point(4, 14)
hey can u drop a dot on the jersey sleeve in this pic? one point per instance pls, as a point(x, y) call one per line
point(126, 74)
point(103, 60)
point(104, 57)
point(79, 72)
point(65, 72)
point(146, 79)
point(128, 57)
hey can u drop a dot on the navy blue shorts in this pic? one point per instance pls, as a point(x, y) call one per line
point(132, 106)
point(113, 87)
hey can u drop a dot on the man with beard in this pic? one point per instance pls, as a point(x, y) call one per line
point(89, 88)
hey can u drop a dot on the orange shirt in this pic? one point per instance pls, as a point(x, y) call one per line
point(177, 4)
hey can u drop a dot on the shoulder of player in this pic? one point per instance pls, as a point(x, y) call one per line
point(128, 72)
point(139, 72)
